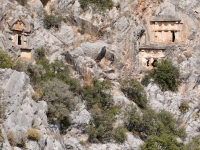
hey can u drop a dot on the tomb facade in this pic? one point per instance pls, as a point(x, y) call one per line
point(166, 31)
point(149, 55)
point(19, 36)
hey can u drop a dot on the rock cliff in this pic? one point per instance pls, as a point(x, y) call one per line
point(104, 44)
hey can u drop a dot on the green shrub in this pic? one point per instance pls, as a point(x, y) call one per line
point(152, 123)
point(33, 134)
point(81, 31)
point(146, 79)
point(52, 21)
point(165, 75)
point(194, 144)
point(100, 127)
point(132, 120)
point(5, 60)
point(96, 4)
point(22, 2)
point(21, 66)
point(120, 134)
point(163, 142)
point(36, 73)
point(134, 91)
point(184, 107)
point(60, 101)
point(40, 53)
point(98, 94)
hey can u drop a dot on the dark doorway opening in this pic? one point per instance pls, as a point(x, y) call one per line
point(148, 62)
point(154, 64)
point(173, 36)
point(19, 40)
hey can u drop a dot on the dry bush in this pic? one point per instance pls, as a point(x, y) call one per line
point(33, 134)
point(20, 141)
point(1, 135)
point(184, 106)
point(87, 76)
point(37, 94)
point(11, 138)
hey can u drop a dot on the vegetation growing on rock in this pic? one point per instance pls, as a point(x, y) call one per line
point(52, 21)
point(120, 134)
point(163, 142)
point(53, 84)
point(101, 105)
point(194, 144)
point(98, 94)
point(60, 101)
point(165, 75)
point(184, 106)
point(134, 91)
point(151, 125)
point(22, 2)
point(33, 134)
point(5, 60)
point(96, 4)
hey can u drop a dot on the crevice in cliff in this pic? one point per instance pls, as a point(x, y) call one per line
point(44, 2)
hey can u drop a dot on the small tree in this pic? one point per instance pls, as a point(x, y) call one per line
point(194, 144)
point(152, 123)
point(97, 94)
point(165, 75)
point(96, 4)
point(120, 134)
point(52, 21)
point(100, 127)
point(164, 142)
point(60, 101)
point(22, 2)
point(134, 90)
point(5, 60)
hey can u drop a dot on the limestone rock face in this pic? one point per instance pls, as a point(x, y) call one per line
point(21, 112)
point(79, 41)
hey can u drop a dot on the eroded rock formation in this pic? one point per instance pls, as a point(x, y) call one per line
point(136, 34)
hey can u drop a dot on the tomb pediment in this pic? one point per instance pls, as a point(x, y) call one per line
point(20, 25)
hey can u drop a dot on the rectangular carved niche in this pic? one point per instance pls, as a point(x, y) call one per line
point(26, 54)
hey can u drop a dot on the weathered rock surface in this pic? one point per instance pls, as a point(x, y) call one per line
point(122, 30)
point(21, 112)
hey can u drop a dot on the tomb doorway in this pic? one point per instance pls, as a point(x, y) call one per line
point(173, 36)
point(19, 40)
point(154, 64)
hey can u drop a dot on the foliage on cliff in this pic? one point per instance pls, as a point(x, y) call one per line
point(101, 106)
point(53, 84)
point(163, 142)
point(150, 124)
point(22, 2)
point(52, 21)
point(165, 75)
point(134, 91)
point(5, 60)
point(96, 4)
